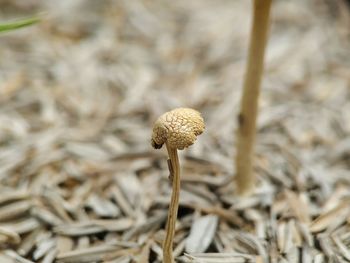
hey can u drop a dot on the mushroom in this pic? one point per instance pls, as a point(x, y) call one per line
point(177, 129)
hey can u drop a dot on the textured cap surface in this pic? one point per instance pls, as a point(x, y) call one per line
point(179, 128)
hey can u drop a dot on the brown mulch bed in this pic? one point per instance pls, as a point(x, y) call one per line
point(79, 93)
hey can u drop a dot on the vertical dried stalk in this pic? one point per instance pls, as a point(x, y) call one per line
point(245, 178)
point(173, 207)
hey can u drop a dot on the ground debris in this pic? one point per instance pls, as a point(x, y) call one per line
point(80, 91)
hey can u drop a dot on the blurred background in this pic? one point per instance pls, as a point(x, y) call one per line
point(79, 93)
point(107, 69)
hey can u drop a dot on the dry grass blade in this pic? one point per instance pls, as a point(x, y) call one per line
point(14, 210)
point(64, 244)
point(298, 207)
point(7, 236)
point(50, 256)
point(46, 216)
point(93, 227)
point(29, 242)
point(145, 253)
point(43, 247)
point(252, 245)
point(102, 207)
point(89, 254)
point(338, 215)
point(5, 259)
point(344, 250)
point(202, 233)
point(122, 201)
point(218, 258)
point(17, 258)
point(22, 226)
point(11, 196)
point(145, 226)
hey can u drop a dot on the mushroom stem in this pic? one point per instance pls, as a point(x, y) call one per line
point(174, 205)
point(177, 129)
point(245, 178)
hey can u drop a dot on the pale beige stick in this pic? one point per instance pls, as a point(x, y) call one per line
point(245, 178)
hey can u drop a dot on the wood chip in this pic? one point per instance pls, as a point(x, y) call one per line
point(202, 233)
point(93, 227)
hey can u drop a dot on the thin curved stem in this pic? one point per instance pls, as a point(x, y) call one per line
point(173, 207)
point(245, 178)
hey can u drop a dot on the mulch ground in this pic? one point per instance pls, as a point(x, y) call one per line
point(79, 180)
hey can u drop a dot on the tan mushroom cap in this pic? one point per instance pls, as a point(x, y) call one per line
point(178, 128)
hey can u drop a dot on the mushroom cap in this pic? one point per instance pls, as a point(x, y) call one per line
point(178, 128)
